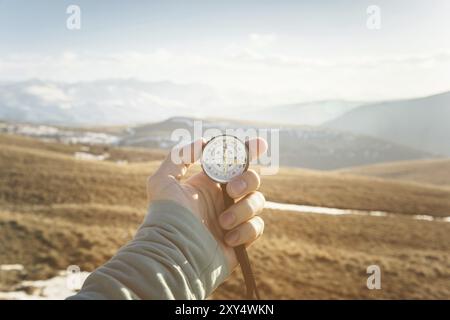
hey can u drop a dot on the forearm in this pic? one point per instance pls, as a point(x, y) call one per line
point(173, 256)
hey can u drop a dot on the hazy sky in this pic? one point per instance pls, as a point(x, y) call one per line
point(274, 51)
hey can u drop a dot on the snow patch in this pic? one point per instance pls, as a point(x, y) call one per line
point(11, 267)
point(57, 288)
point(337, 212)
point(90, 156)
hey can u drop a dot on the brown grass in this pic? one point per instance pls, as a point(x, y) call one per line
point(300, 256)
point(115, 153)
point(306, 256)
point(56, 211)
point(429, 171)
point(34, 175)
point(346, 191)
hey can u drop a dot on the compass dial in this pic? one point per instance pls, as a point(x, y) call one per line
point(224, 157)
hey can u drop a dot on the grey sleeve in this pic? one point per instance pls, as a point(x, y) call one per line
point(172, 256)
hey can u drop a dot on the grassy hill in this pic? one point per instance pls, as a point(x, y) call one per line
point(306, 256)
point(56, 211)
point(430, 171)
point(299, 146)
point(346, 191)
point(34, 172)
point(115, 154)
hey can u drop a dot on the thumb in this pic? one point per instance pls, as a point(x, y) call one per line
point(179, 159)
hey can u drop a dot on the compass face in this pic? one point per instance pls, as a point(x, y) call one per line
point(224, 157)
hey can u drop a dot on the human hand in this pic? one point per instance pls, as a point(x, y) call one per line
point(239, 224)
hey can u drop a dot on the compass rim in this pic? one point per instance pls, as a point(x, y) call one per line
point(247, 158)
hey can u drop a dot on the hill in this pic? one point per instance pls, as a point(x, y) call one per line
point(299, 146)
point(111, 183)
point(306, 256)
point(56, 211)
point(429, 171)
point(418, 123)
point(346, 191)
point(114, 154)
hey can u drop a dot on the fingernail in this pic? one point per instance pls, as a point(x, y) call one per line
point(232, 238)
point(238, 186)
point(227, 219)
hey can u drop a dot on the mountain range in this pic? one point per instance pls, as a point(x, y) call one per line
point(103, 102)
point(130, 101)
point(422, 123)
point(322, 135)
point(299, 146)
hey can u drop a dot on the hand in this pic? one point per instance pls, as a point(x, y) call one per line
point(239, 224)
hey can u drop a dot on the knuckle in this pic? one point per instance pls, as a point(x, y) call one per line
point(253, 178)
point(256, 202)
point(259, 226)
point(248, 207)
point(261, 198)
point(255, 226)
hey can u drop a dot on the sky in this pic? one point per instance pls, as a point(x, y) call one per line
point(268, 51)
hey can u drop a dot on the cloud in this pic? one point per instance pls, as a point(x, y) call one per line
point(262, 40)
point(248, 55)
point(155, 100)
point(260, 75)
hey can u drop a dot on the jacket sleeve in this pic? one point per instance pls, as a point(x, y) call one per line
point(172, 256)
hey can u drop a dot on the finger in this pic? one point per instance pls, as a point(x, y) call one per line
point(242, 211)
point(179, 159)
point(246, 233)
point(256, 147)
point(243, 184)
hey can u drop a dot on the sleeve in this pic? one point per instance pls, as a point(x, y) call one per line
point(172, 256)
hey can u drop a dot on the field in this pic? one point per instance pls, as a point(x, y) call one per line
point(56, 211)
point(433, 171)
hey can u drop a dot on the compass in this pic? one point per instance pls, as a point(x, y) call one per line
point(223, 158)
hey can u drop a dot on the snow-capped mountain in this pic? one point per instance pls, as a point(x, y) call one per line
point(105, 102)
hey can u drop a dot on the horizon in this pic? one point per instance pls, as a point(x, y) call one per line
point(260, 52)
point(177, 83)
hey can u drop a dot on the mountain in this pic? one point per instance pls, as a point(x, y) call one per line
point(309, 113)
point(299, 146)
point(422, 123)
point(130, 101)
point(105, 102)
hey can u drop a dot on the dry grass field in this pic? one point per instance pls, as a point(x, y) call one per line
point(56, 211)
point(338, 190)
point(433, 171)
